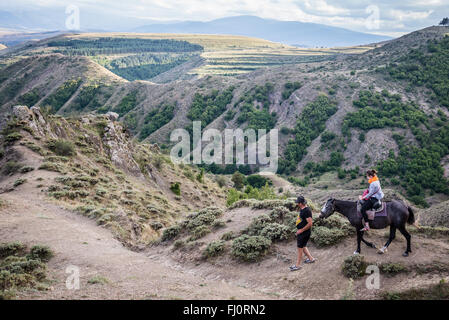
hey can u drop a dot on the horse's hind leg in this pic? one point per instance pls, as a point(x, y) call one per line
point(408, 238)
point(369, 244)
point(390, 238)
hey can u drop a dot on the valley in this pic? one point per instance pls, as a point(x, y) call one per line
point(86, 170)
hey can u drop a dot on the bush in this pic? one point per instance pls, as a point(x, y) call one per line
point(43, 253)
point(323, 236)
point(176, 188)
point(239, 180)
point(19, 270)
point(354, 266)
point(257, 181)
point(11, 167)
point(199, 232)
point(266, 192)
point(275, 231)
point(178, 244)
point(11, 249)
point(18, 182)
point(98, 280)
point(392, 268)
point(228, 236)
point(221, 181)
point(204, 217)
point(439, 291)
point(250, 248)
point(26, 169)
point(12, 137)
point(214, 248)
point(49, 166)
point(61, 147)
point(170, 233)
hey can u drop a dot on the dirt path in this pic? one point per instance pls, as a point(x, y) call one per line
point(160, 273)
point(78, 241)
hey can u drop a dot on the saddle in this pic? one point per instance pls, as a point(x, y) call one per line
point(381, 211)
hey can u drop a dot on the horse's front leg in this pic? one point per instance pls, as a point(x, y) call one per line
point(359, 240)
point(369, 244)
point(390, 238)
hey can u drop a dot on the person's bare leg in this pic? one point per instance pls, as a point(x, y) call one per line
point(306, 251)
point(298, 261)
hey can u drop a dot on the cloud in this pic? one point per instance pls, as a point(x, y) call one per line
point(394, 17)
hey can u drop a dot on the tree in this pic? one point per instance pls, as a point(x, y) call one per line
point(239, 180)
point(444, 22)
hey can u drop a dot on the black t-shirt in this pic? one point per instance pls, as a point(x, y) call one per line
point(301, 220)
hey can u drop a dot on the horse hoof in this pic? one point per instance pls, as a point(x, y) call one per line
point(356, 252)
point(382, 250)
point(405, 254)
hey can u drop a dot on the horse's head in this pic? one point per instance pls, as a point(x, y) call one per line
point(328, 208)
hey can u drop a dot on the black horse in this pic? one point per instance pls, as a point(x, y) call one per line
point(398, 214)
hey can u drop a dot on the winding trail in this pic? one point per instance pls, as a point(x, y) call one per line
point(78, 241)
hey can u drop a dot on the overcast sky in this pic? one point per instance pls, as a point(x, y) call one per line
point(395, 17)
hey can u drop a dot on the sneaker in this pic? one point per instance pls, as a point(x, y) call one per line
point(294, 268)
point(309, 261)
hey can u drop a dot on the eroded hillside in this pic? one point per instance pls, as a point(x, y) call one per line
point(89, 165)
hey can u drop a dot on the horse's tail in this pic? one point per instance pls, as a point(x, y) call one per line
point(411, 215)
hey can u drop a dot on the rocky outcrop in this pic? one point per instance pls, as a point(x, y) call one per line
point(119, 148)
point(33, 119)
point(115, 141)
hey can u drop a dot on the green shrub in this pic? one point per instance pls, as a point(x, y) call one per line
point(204, 217)
point(12, 137)
point(26, 169)
point(178, 244)
point(323, 236)
point(354, 266)
point(43, 253)
point(279, 213)
point(257, 181)
point(176, 188)
point(214, 248)
point(264, 193)
point(199, 232)
point(228, 236)
point(439, 291)
point(257, 224)
point(11, 167)
point(18, 182)
point(98, 280)
point(11, 249)
point(19, 270)
point(221, 181)
point(391, 268)
point(275, 231)
point(250, 248)
point(218, 224)
point(62, 147)
point(431, 231)
point(170, 233)
point(49, 166)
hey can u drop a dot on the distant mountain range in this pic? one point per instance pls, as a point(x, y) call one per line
point(288, 32)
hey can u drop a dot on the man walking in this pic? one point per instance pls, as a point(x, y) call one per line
point(304, 225)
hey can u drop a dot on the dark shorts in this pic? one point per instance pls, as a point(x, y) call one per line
point(302, 239)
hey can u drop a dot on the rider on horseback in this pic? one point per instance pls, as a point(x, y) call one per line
point(371, 197)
